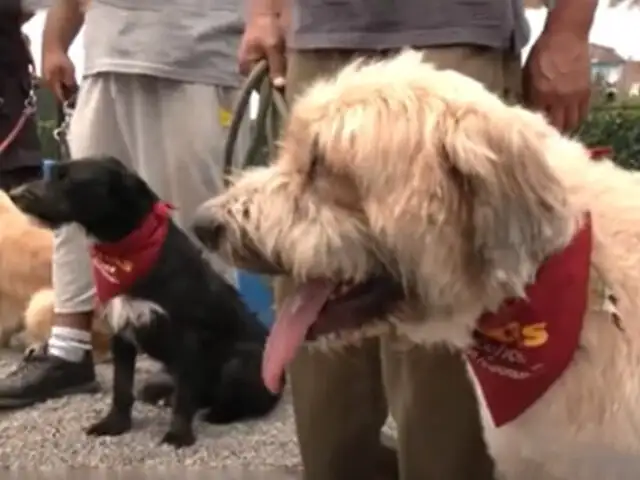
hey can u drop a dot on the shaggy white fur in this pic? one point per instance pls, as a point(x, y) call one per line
point(398, 167)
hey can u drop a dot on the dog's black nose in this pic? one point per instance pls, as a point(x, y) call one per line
point(208, 229)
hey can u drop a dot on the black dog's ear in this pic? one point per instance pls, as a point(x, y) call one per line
point(54, 171)
point(125, 183)
point(116, 164)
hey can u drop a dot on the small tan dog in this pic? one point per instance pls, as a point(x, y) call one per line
point(417, 199)
point(26, 297)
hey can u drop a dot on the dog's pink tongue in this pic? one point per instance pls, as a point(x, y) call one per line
point(297, 313)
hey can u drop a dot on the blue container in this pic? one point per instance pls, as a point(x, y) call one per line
point(47, 165)
point(257, 294)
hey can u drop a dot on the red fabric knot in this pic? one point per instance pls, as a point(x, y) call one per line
point(524, 347)
point(116, 266)
point(600, 152)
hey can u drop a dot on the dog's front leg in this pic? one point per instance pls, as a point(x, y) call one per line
point(185, 406)
point(118, 420)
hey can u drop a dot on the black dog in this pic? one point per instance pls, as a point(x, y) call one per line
point(161, 297)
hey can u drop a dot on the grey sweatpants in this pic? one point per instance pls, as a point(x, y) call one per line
point(171, 133)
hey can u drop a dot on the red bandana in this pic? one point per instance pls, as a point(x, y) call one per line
point(116, 266)
point(521, 350)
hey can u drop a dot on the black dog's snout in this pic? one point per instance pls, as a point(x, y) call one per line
point(19, 194)
point(209, 229)
point(14, 194)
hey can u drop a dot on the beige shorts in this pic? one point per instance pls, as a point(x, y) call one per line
point(171, 133)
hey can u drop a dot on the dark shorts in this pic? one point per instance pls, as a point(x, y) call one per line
point(22, 159)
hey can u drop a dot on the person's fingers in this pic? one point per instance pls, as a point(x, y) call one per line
point(277, 66)
point(247, 58)
point(533, 100)
point(583, 108)
point(47, 72)
point(84, 5)
point(571, 117)
point(69, 76)
point(243, 67)
point(58, 91)
point(52, 80)
point(69, 91)
point(556, 115)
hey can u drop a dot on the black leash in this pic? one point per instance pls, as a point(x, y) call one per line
point(62, 132)
point(272, 110)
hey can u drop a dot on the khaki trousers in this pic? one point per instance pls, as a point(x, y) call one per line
point(342, 400)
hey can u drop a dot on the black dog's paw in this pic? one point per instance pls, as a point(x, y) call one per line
point(179, 439)
point(111, 425)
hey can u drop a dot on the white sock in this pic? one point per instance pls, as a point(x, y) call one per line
point(69, 343)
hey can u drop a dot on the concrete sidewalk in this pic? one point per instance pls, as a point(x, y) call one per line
point(185, 473)
point(50, 436)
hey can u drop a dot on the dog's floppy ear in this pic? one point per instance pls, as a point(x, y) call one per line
point(115, 164)
point(517, 206)
point(125, 183)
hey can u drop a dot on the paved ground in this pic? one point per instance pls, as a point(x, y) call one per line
point(50, 436)
point(47, 442)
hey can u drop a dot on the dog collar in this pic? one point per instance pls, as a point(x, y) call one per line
point(117, 265)
point(523, 348)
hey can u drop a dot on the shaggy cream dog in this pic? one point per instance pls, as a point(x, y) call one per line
point(26, 298)
point(419, 200)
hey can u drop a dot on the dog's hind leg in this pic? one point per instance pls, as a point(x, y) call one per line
point(241, 394)
point(118, 420)
point(157, 390)
point(6, 334)
point(11, 322)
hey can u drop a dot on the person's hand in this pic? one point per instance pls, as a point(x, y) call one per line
point(557, 79)
point(264, 39)
point(84, 5)
point(58, 73)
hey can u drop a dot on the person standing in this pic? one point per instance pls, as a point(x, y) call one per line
point(159, 85)
point(20, 156)
point(341, 403)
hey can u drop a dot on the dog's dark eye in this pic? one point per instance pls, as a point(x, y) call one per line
point(53, 171)
point(246, 212)
point(315, 159)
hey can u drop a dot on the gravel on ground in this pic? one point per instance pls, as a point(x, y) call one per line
point(50, 436)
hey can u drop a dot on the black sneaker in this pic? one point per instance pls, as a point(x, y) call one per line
point(40, 377)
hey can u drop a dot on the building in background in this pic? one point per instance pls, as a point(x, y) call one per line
point(613, 75)
point(630, 78)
